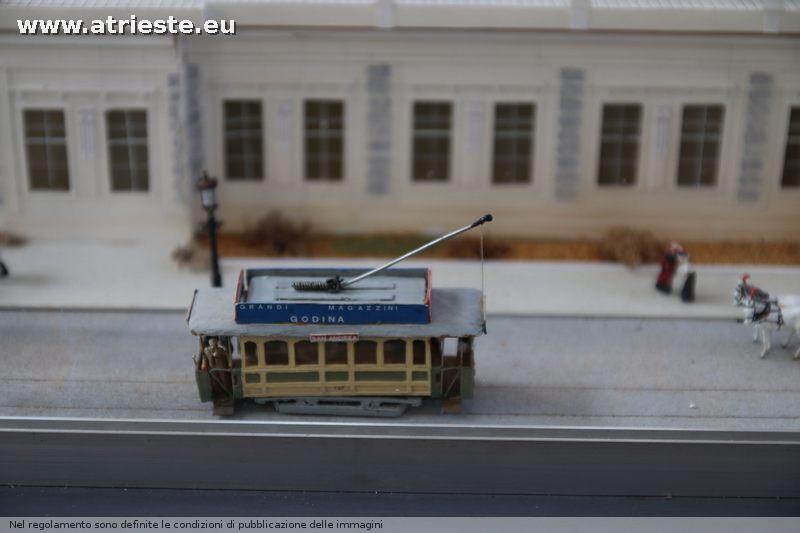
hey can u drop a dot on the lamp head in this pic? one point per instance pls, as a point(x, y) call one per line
point(208, 194)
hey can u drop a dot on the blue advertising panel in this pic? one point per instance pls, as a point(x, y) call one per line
point(331, 314)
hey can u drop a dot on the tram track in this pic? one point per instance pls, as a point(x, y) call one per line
point(397, 457)
point(77, 377)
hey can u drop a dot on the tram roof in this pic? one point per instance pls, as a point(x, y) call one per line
point(455, 312)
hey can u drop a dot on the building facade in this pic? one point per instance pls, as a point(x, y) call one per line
point(376, 116)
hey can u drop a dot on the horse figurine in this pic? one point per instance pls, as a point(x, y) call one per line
point(767, 314)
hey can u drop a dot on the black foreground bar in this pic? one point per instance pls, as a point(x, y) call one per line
point(398, 458)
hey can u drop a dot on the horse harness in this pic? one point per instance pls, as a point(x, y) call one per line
point(763, 315)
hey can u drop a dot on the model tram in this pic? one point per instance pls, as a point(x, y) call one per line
point(336, 341)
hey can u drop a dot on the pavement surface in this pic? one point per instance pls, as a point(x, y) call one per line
point(639, 373)
point(136, 274)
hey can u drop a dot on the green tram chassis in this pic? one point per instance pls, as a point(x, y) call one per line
point(455, 313)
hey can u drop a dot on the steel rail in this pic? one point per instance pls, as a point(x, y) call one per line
point(383, 430)
point(397, 457)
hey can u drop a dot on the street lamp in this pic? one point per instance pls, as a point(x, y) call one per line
point(208, 196)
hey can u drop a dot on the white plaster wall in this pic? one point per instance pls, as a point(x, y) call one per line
point(84, 78)
point(472, 70)
point(476, 70)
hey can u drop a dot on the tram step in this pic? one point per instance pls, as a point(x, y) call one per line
point(346, 406)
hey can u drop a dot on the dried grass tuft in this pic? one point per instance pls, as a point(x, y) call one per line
point(470, 248)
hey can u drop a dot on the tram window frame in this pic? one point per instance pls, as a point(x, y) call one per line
point(417, 357)
point(303, 355)
point(390, 356)
point(250, 357)
point(371, 354)
point(436, 352)
point(335, 358)
point(276, 358)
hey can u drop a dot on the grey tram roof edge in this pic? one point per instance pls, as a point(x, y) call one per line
point(455, 312)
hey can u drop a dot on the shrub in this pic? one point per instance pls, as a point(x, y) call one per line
point(630, 246)
point(192, 256)
point(278, 235)
point(11, 239)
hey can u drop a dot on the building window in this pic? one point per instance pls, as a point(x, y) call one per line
point(701, 134)
point(513, 143)
point(324, 140)
point(244, 158)
point(127, 149)
point(432, 141)
point(619, 144)
point(46, 147)
point(791, 158)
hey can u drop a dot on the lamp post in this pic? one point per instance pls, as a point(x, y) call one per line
point(208, 196)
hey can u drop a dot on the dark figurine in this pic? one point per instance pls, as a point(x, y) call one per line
point(676, 262)
point(669, 265)
point(3, 269)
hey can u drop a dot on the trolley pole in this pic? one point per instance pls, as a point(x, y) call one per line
point(207, 187)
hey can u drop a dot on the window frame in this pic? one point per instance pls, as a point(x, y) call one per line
point(235, 98)
point(724, 134)
point(304, 139)
point(109, 163)
point(638, 167)
point(452, 102)
point(532, 159)
point(27, 186)
point(789, 110)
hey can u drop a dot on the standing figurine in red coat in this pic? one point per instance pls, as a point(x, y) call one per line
point(669, 265)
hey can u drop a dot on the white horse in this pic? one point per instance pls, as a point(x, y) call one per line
point(746, 295)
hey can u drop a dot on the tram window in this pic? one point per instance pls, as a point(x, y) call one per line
point(252, 378)
point(250, 354)
point(394, 352)
point(380, 376)
point(419, 352)
point(336, 353)
point(276, 353)
point(306, 353)
point(436, 352)
point(366, 352)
